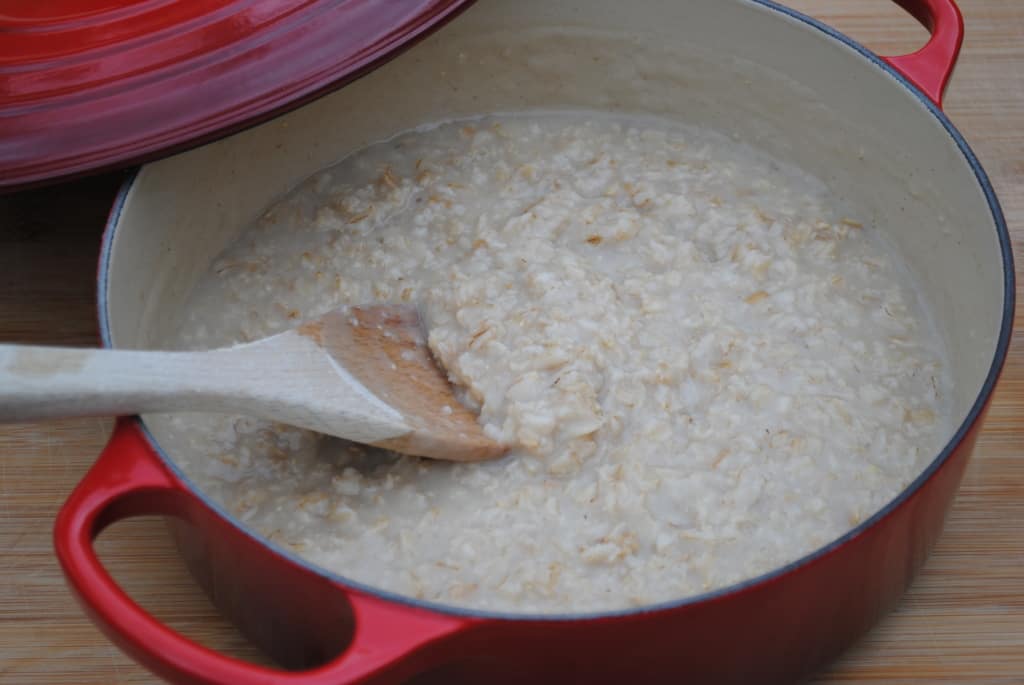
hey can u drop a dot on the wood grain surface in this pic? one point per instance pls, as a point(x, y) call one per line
point(961, 622)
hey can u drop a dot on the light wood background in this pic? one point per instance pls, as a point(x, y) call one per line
point(962, 622)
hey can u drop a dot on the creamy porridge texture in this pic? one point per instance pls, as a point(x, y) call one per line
point(706, 370)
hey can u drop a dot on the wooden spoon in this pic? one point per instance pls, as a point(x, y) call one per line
point(360, 373)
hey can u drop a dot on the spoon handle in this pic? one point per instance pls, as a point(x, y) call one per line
point(283, 378)
point(38, 383)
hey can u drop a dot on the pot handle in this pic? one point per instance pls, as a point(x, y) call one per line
point(931, 67)
point(129, 479)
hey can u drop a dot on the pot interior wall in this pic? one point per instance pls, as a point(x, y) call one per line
point(733, 65)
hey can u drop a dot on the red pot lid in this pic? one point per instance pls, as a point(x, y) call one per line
point(92, 84)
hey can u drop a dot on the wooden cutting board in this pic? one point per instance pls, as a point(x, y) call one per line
point(963, 620)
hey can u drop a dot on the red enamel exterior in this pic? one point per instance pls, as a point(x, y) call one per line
point(92, 84)
point(931, 67)
point(130, 479)
point(772, 631)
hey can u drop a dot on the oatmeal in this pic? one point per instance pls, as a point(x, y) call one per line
point(705, 368)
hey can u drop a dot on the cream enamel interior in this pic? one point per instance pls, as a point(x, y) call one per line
point(732, 65)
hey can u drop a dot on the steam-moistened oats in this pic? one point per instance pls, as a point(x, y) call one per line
point(706, 369)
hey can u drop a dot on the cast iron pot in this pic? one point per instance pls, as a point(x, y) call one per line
point(871, 127)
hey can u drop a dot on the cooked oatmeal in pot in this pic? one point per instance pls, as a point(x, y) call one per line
point(705, 368)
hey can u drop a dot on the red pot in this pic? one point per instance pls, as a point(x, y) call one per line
point(870, 125)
